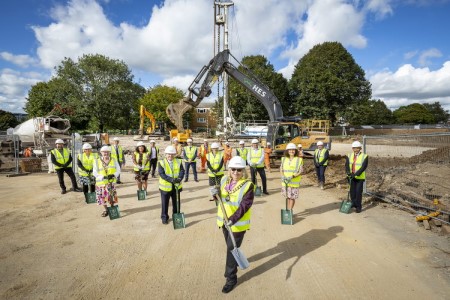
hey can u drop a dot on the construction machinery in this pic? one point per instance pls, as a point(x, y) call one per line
point(156, 129)
point(281, 130)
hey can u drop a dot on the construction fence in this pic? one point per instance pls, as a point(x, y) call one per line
point(411, 170)
point(16, 160)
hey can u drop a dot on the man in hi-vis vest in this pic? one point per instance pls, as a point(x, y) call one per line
point(62, 159)
point(190, 156)
point(355, 167)
point(171, 173)
point(255, 159)
point(321, 156)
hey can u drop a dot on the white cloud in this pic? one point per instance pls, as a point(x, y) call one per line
point(328, 20)
point(412, 85)
point(14, 88)
point(430, 53)
point(20, 60)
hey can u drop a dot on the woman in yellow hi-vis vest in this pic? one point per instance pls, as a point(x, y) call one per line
point(355, 166)
point(236, 191)
point(106, 171)
point(291, 169)
point(141, 166)
point(171, 173)
point(85, 163)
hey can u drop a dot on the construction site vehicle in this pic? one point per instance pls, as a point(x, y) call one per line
point(156, 129)
point(281, 130)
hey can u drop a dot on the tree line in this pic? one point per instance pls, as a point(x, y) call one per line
point(98, 93)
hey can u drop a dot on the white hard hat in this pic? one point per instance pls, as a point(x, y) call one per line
point(236, 162)
point(356, 144)
point(87, 146)
point(170, 150)
point(105, 149)
point(140, 144)
point(189, 140)
point(241, 142)
point(319, 143)
point(215, 145)
point(59, 141)
point(268, 144)
point(205, 140)
point(255, 141)
point(175, 139)
point(300, 146)
point(152, 141)
point(116, 139)
point(227, 143)
point(291, 146)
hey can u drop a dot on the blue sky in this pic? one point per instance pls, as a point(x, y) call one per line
point(403, 46)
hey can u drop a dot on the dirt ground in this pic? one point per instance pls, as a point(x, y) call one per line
point(55, 246)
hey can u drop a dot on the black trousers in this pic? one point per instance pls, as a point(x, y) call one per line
point(261, 173)
point(153, 162)
point(356, 190)
point(194, 170)
point(69, 171)
point(231, 264)
point(86, 188)
point(320, 171)
point(165, 197)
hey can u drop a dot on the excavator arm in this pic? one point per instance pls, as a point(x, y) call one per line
point(209, 75)
point(144, 113)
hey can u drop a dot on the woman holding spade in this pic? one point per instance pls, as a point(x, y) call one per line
point(291, 170)
point(141, 163)
point(236, 192)
point(106, 170)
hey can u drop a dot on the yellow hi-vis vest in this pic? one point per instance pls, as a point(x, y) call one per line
point(290, 168)
point(242, 152)
point(115, 155)
point(164, 185)
point(190, 152)
point(254, 158)
point(87, 162)
point(214, 161)
point(145, 161)
point(358, 164)
point(101, 171)
point(320, 155)
point(232, 205)
point(61, 158)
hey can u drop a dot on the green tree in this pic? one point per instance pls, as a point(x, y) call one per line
point(370, 112)
point(440, 115)
point(326, 81)
point(413, 114)
point(7, 120)
point(244, 105)
point(95, 90)
point(157, 98)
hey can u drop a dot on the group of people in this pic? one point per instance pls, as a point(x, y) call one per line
point(232, 186)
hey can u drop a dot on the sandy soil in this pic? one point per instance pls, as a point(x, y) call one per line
point(55, 246)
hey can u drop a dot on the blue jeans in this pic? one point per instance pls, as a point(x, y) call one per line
point(320, 171)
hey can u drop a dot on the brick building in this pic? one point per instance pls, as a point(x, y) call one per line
point(203, 118)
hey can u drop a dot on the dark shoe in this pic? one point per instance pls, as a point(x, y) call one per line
point(63, 192)
point(119, 182)
point(358, 210)
point(77, 190)
point(228, 287)
point(266, 192)
point(196, 180)
point(165, 222)
point(104, 213)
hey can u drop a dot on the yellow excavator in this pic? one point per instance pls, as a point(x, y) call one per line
point(155, 128)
